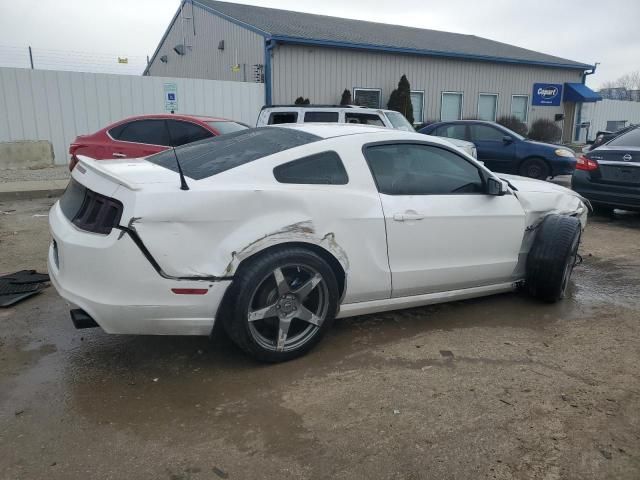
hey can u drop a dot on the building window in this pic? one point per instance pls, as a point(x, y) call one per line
point(367, 97)
point(451, 106)
point(520, 107)
point(615, 125)
point(417, 103)
point(488, 106)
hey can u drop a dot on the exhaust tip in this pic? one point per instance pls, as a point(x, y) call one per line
point(81, 319)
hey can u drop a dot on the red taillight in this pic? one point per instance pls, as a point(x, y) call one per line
point(73, 162)
point(584, 163)
point(190, 291)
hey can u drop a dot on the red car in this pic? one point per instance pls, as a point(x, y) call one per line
point(145, 135)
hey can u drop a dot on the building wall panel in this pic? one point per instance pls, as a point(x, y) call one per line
point(321, 74)
point(204, 59)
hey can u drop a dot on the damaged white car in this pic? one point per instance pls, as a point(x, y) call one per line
point(276, 231)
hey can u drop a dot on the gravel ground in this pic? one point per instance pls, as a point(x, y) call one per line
point(53, 173)
point(502, 387)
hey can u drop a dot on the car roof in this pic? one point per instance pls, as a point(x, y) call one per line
point(325, 107)
point(179, 116)
point(331, 130)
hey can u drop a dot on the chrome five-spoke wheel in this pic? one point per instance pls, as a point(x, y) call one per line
point(283, 303)
point(288, 307)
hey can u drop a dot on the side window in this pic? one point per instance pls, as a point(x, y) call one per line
point(186, 132)
point(363, 119)
point(485, 133)
point(321, 117)
point(283, 117)
point(152, 132)
point(322, 168)
point(413, 169)
point(452, 131)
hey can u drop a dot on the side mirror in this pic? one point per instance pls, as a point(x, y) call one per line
point(495, 187)
point(507, 139)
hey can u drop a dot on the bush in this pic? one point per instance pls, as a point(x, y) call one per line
point(302, 101)
point(400, 99)
point(514, 123)
point(346, 97)
point(545, 130)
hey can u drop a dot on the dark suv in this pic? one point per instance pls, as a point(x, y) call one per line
point(609, 176)
point(503, 150)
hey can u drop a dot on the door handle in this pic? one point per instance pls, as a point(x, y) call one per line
point(403, 217)
point(118, 154)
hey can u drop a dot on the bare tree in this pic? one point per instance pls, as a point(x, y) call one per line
point(630, 81)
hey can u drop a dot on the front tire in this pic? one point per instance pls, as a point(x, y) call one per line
point(552, 257)
point(535, 168)
point(282, 304)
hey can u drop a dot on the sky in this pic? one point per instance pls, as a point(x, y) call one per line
point(98, 31)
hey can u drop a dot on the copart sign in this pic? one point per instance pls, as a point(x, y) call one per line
point(547, 94)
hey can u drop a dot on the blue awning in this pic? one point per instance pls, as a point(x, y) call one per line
point(579, 92)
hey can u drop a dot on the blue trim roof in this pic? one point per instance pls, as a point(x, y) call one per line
point(579, 92)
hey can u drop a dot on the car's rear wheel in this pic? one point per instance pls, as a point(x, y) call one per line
point(535, 168)
point(282, 304)
point(552, 257)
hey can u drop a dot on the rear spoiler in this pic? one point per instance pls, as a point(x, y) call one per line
point(93, 165)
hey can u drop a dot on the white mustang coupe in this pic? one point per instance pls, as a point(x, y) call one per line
point(277, 231)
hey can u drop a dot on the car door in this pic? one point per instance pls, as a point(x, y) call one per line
point(497, 153)
point(443, 232)
point(183, 132)
point(138, 138)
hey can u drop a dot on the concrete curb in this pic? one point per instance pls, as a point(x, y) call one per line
point(32, 189)
point(30, 194)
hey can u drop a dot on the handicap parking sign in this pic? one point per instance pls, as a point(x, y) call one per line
point(170, 97)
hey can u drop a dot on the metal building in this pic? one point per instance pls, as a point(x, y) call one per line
point(297, 54)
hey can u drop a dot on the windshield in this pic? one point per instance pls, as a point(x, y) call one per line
point(399, 122)
point(227, 127)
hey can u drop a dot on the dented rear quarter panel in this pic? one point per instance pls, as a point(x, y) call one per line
point(208, 231)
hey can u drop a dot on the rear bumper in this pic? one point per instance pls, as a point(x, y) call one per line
point(623, 197)
point(110, 279)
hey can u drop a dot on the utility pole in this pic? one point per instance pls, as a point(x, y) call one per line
point(31, 57)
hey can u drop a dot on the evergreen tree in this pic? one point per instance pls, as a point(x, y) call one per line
point(302, 101)
point(400, 99)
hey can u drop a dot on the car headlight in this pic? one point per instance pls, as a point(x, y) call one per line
point(561, 152)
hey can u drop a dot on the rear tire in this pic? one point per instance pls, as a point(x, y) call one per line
point(535, 168)
point(281, 304)
point(552, 257)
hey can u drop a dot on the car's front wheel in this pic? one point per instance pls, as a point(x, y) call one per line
point(552, 257)
point(282, 303)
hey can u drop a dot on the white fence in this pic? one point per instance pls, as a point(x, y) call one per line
point(57, 106)
point(599, 113)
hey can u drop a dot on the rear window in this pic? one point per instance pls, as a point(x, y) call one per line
point(283, 117)
point(629, 139)
point(215, 155)
point(321, 117)
point(227, 127)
